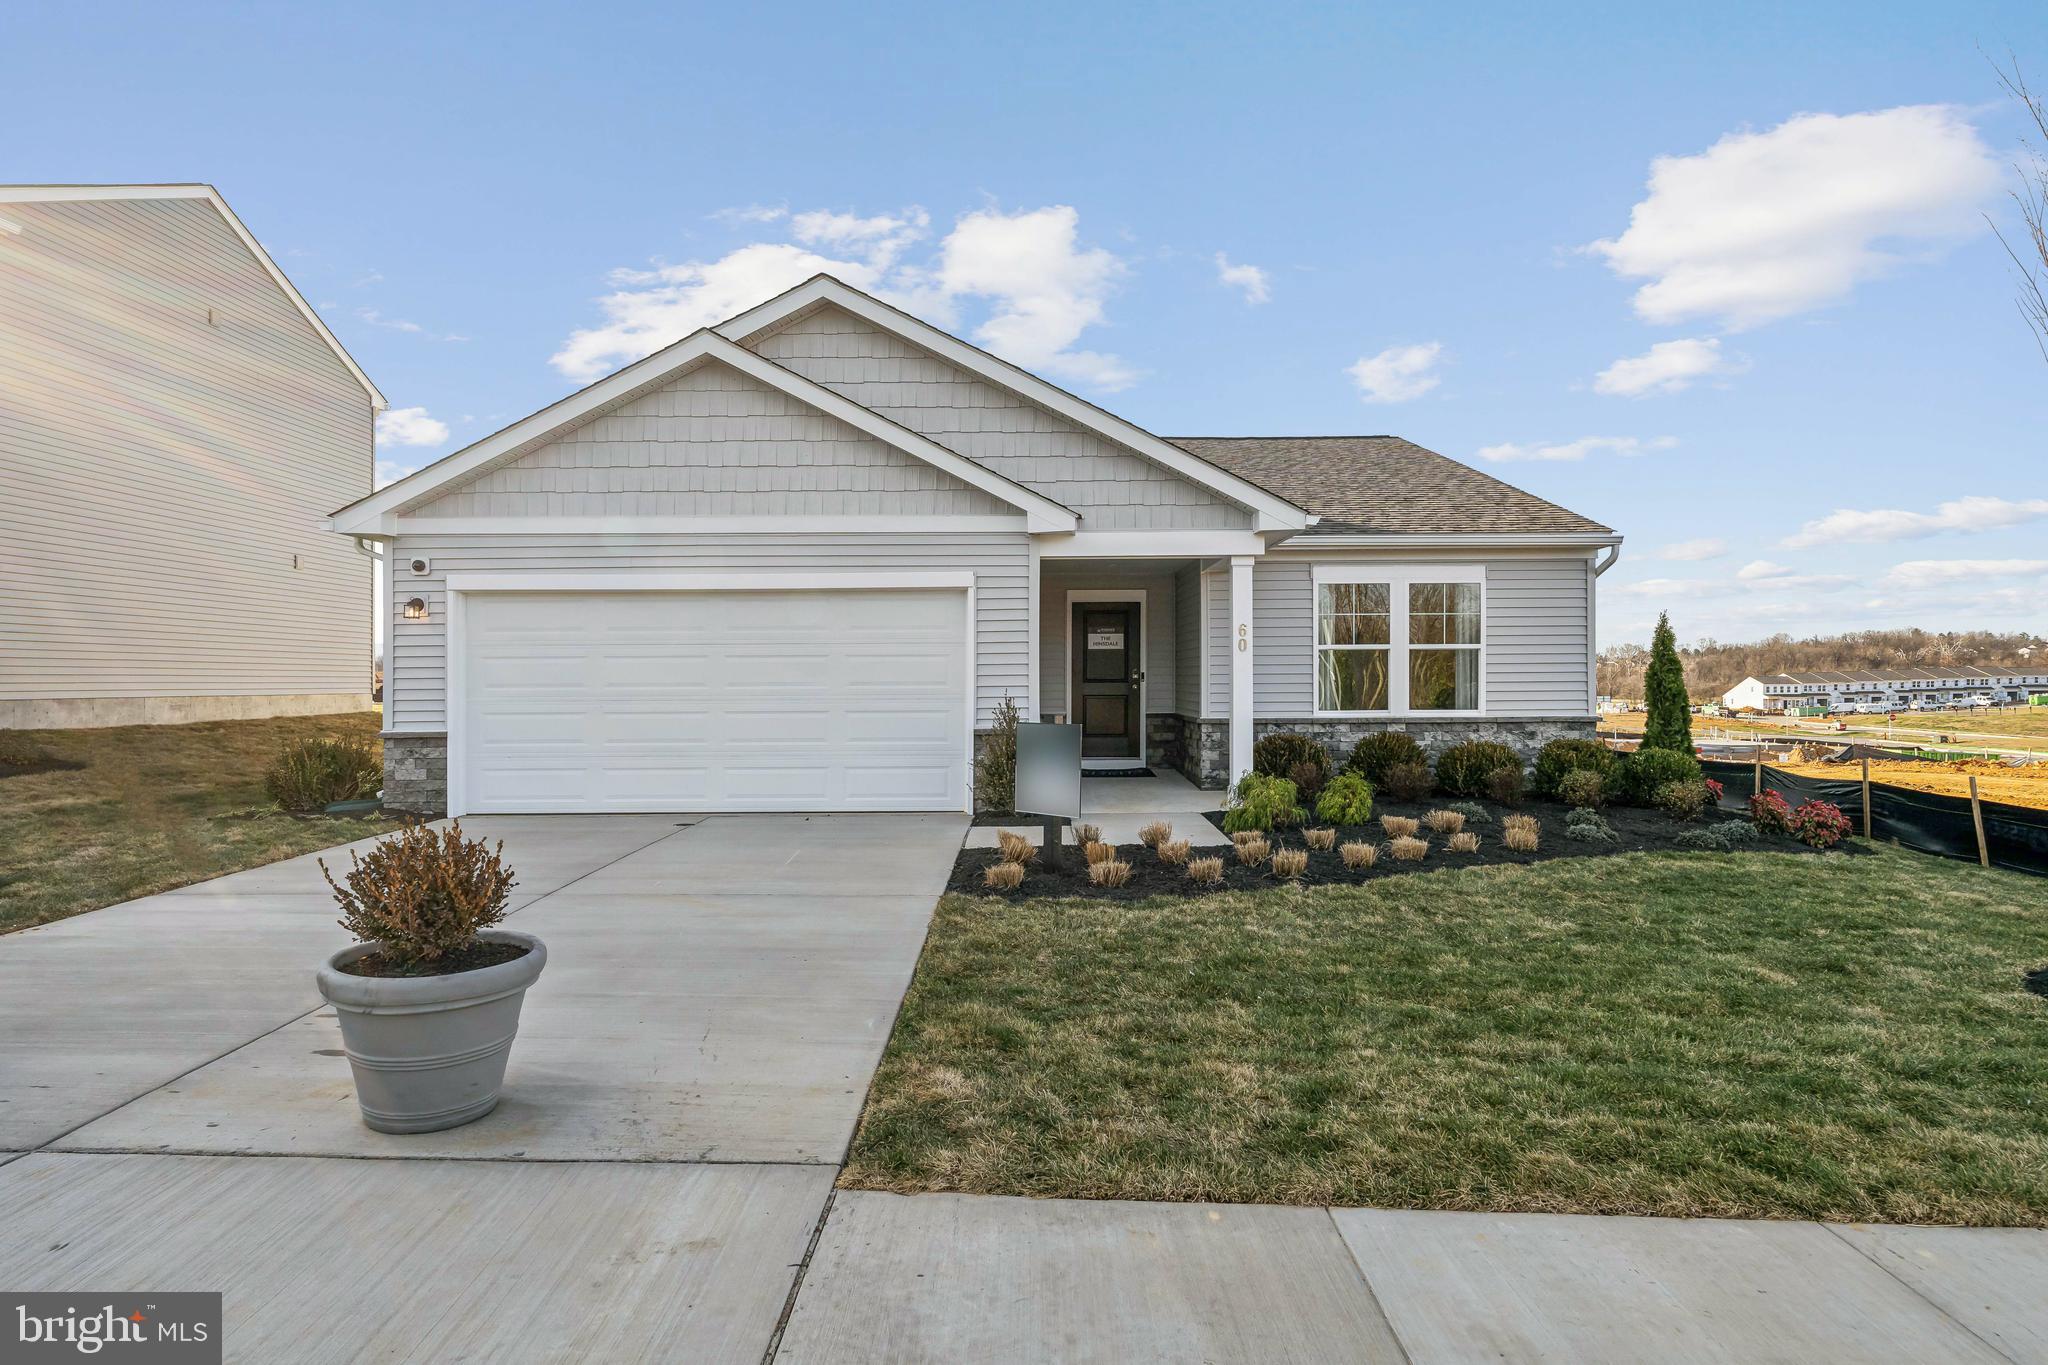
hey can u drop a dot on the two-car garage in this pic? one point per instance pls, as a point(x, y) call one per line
point(708, 696)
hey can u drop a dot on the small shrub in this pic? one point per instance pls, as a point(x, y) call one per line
point(1015, 848)
point(1504, 786)
point(314, 773)
point(1409, 850)
point(1399, 826)
point(1562, 757)
point(1155, 834)
point(1583, 788)
point(1640, 774)
point(995, 772)
point(422, 893)
point(1520, 840)
point(1289, 863)
point(1461, 769)
point(1252, 852)
point(1276, 754)
point(1347, 800)
point(1322, 840)
point(1206, 871)
point(1261, 803)
point(1715, 790)
point(1100, 853)
point(1357, 855)
point(1466, 842)
point(1085, 835)
point(1308, 779)
point(1408, 782)
point(1818, 824)
point(1174, 851)
point(1769, 813)
point(1681, 800)
point(1725, 837)
point(1110, 873)
point(1444, 821)
point(1474, 813)
point(1589, 826)
point(1525, 824)
point(1374, 756)
point(1003, 876)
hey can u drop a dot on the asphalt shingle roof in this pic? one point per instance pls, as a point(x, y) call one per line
point(1367, 485)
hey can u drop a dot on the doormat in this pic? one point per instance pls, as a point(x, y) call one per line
point(1116, 772)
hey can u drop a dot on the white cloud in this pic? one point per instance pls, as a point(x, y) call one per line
point(1932, 573)
point(1398, 373)
point(1757, 577)
point(1762, 568)
point(1960, 514)
point(1250, 278)
point(391, 471)
point(751, 213)
point(1765, 225)
point(377, 319)
point(1577, 450)
point(1667, 367)
point(1707, 547)
point(1043, 289)
point(409, 427)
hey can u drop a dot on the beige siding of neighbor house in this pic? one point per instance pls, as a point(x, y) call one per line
point(715, 442)
point(1109, 486)
point(1538, 632)
point(999, 561)
point(173, 434)
point(1055, 619)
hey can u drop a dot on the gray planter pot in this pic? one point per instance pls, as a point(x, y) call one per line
point(429, 1052)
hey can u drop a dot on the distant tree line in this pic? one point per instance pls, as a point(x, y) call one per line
point(1712, 667)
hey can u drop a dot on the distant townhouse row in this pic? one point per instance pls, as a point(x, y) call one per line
point(1889, 687)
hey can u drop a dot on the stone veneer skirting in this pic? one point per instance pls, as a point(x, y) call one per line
point(416, 774)
point(1206, 751)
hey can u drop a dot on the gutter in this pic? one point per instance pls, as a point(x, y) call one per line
point(1463, 540)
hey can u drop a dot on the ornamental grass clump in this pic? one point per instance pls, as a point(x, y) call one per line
point(1399, 826)
point(1519, 833)
point(1322, 840)
point(1205, 871)
point(1444, 821)
point(1085, 835)
point(1289, 863)
point(315, 773)
point(1254, 851)
point(1003, 876)
point(1174, 851)
point(1015, 848)
point(1109, 873)
point(1408, 850)
point(1155, 834)
point(1358, 855)
point(422, 895)
point(1466, 842)
point(1100, 853)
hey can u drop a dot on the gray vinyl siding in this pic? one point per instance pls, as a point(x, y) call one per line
point(1538, 632)
point(1111, 487)
point(1057, 578)
point(715, 442)
point(162, 471)
point(1000, 562)
point(1187, 641)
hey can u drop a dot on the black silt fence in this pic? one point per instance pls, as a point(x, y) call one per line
point(2016, 837)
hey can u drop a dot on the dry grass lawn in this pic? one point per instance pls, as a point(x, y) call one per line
point(1746, 1035)
point(154, 807)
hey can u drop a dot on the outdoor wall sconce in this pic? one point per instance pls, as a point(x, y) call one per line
point(416, 609)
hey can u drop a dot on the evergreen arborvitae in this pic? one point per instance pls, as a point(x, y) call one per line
point(1669, 724)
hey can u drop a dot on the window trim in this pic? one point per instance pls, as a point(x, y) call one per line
point(1398, 578)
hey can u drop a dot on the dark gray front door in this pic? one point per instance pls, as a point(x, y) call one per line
point(1106, 678)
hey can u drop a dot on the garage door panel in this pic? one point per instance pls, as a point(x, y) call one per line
point(813, 700)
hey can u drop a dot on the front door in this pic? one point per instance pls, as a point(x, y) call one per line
point(1106, 679)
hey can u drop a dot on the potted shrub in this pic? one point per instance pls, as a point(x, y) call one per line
point(429, 996)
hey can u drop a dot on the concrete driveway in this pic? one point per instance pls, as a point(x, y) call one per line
point(687, 1077)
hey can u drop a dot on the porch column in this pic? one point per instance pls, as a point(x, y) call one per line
point(1240, 667)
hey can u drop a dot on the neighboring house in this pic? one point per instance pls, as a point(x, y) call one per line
point(175, 425)
point(796, 562)
point(1885, 686)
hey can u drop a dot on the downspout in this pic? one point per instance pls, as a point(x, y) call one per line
point(1603, 565)
point(368, 546)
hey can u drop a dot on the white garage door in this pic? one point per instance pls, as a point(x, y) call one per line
point(705, 701)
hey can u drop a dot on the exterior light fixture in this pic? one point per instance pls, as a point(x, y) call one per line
point(416, 609)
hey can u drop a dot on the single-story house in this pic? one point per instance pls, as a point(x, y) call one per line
point(797, 561)
point(176, 424)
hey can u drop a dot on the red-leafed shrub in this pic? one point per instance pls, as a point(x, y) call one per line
point(1714, 790)
point(1819, 824)
point(1769, 813)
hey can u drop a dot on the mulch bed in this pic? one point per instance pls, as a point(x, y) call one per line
point(1639, 831)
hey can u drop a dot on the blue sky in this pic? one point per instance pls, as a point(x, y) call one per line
point(1830, 403)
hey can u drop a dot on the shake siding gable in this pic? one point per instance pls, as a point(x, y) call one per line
point(714, 442)
point(168, 473)
point(1108, 485)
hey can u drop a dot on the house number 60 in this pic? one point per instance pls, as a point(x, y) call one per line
point(1242, 643)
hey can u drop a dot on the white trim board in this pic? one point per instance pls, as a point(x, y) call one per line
point(1271, 512)
point(461, 585)
point(379, 513)
point(1137, 595)
point(48, 194)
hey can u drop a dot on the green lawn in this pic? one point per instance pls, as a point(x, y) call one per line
point(154, 807)
point(1763, 1035)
